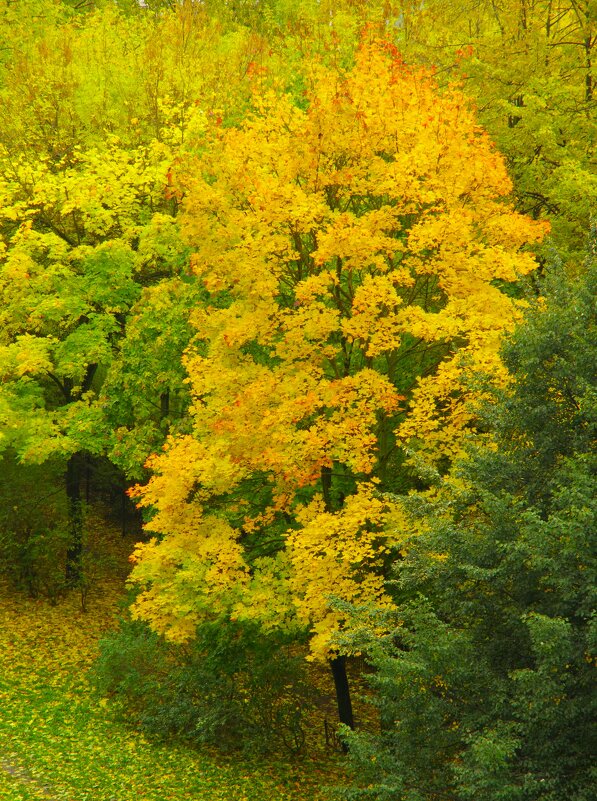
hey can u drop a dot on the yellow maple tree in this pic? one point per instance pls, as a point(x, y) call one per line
point(354, 254)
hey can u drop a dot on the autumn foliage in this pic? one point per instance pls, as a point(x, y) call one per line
point(354, 253)
point(260, 262)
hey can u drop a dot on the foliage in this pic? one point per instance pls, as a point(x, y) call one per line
point(91, 117)
point(297, 195)
point(33, 527)
point(144, 394)
point(485, 672)
point(230, 688)
point(351, 254)
point(94, 108)
point(80, 240)
point(530, 67)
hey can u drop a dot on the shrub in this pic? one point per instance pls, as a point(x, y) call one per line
point(232, 687)
point(33, 527)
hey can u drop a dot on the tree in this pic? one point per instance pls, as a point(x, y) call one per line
point(351, 254)
point(69, 277)
point(484, 674)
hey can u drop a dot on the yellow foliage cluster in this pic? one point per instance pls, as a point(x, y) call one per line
point(338, 243)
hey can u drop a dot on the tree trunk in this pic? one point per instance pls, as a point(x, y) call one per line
point(338, 666)
point(337, 663)
point(164, 404)
point(75, 518)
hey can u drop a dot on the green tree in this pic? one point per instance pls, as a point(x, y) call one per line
point(484, 675)
point(94, 108)
point(85, 224)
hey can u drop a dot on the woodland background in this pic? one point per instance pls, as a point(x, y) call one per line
point(298, 317)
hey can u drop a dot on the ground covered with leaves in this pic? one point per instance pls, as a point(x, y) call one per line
point(59, 740)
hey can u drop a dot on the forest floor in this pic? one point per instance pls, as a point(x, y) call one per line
point(60, 742)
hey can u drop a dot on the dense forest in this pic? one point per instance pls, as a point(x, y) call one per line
point(298, 399)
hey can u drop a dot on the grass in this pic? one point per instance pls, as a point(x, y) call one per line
point(60, 742)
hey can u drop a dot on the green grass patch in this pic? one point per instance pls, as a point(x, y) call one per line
point(60, 742)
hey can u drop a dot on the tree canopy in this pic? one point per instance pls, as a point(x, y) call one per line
point(258, 261)
point(351, 253)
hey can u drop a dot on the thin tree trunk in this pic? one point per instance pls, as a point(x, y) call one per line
point(75, 518)
point(164, 404)
point(338, 663)
point(338, 666)
point(87, 478)
point(76, 468)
